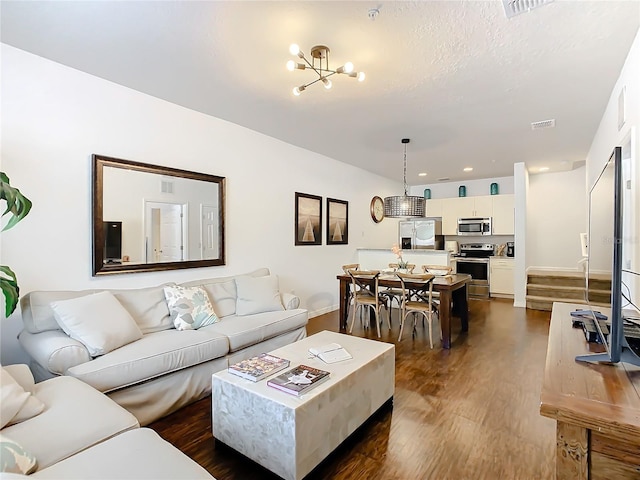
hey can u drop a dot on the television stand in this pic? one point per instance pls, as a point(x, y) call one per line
point(595, 406)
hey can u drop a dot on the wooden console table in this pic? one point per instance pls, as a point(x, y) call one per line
point(596, 406)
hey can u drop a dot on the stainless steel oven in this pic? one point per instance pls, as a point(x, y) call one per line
point(474, 260)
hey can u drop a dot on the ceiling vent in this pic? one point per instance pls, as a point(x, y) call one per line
point(443, 179)
point(166, 186)
point(543, 124)
point(516, 7)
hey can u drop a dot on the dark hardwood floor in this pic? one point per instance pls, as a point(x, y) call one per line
point(471, 412)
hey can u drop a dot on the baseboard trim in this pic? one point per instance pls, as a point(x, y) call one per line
point(322, 311)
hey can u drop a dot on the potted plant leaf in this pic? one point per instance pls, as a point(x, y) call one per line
point(18, 206)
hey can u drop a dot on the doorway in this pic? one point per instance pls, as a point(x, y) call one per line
point(165, 230)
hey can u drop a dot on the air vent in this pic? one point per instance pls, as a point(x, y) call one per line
point(516, 7)
point(443, 179)
point(166, 186)
point(543, 124)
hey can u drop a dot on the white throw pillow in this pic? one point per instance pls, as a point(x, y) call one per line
point(257, 295)
point(16, 404)
point(190, 307)
point(98, 321)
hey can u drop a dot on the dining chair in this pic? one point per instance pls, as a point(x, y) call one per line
point(345, 269)
point(391, 293)
point(366, 295)
point(417, 299)
point(438, 270)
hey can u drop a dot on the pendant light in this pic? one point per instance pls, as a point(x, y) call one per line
point(405, 205)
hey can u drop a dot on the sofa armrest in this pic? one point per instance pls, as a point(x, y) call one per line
point(53, 350)
point(290, 301)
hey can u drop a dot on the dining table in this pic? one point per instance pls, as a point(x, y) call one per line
point(454, 299)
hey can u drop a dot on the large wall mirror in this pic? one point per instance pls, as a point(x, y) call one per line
point(149, 218)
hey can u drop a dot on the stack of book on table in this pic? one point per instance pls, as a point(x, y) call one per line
point(298, 380)
point(258, 367)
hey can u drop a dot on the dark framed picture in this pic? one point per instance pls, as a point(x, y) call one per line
point(308, 219)
point(337, 222)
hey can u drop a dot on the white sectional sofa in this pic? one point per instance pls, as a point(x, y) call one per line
point(165, 368)
point(79, 433)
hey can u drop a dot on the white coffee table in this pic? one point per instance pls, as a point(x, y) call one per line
point(290, 435)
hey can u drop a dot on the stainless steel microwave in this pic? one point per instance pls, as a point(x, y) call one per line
point(474, 226)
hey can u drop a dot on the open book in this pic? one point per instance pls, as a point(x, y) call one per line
point(330, 353)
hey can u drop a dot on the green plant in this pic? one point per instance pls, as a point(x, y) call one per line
point(18, 206)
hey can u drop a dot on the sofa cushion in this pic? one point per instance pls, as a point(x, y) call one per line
point(147, 306)
point(251, 329)
point(37, 314)
point(139, 454)
point(14, 458)
point(75, 417)
point(98, 321)
point(153, 355)
point(223, 297)
point(16, 403)
point(190, 307)
point(257, 295)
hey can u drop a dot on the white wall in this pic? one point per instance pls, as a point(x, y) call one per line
point(556, 215)
point(55, 117)
point(474, 187)
point(608, 136)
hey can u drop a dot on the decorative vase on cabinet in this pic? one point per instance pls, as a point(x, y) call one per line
point(494, 189)
point(462, 191)
point(427, 194)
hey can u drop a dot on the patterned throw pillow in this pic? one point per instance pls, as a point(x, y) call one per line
point(14, 458)
point(190, 307)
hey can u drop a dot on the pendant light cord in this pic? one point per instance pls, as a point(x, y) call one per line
point(404, 175)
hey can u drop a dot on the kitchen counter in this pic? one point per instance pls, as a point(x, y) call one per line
point(379, 258)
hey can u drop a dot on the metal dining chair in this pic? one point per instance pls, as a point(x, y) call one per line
point(417, 299)
point(391, 293)
point(365, 295)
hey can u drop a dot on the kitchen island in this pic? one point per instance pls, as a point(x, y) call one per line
point(379, 258)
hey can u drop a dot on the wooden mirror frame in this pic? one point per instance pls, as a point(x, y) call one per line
point(98, 238)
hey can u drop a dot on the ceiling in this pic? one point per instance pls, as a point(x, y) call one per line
point(458, 78)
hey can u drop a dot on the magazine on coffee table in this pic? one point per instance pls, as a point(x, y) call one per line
point(299, 380)
point(258, 367)
point(330, 353)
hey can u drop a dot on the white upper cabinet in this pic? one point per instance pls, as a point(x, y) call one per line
point(503, 214)
point(499, 207)
point(433, 208)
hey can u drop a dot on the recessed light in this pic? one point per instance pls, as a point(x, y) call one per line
point(422, 174)
point(468, 169)
point(543, 169)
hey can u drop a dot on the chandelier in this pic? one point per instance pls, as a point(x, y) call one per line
point(319, 55)
point(405, 205)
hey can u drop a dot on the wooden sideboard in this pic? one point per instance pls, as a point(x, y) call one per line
point(596, 406)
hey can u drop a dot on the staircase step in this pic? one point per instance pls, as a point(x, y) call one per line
point(560, 292)
point(535, 302)
point(559, 279)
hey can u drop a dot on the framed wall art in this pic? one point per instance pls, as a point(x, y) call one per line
point(337, 222)
point(308, 219)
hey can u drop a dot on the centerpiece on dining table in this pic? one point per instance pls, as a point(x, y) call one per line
point(403, 267)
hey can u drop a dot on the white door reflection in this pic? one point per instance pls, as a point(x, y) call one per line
point(165, 231)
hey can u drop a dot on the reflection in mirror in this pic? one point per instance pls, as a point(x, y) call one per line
point(149, 218)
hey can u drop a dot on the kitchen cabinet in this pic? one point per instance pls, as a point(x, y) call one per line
point(499, 207)
point(433, 207)
point(501, 276)
point(463, 207)
point(503, 214)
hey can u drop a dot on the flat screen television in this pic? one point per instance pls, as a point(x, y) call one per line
point(112, 242)
point(604, 265)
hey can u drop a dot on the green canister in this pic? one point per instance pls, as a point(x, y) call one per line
point(462, 191)
point(494, 189)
